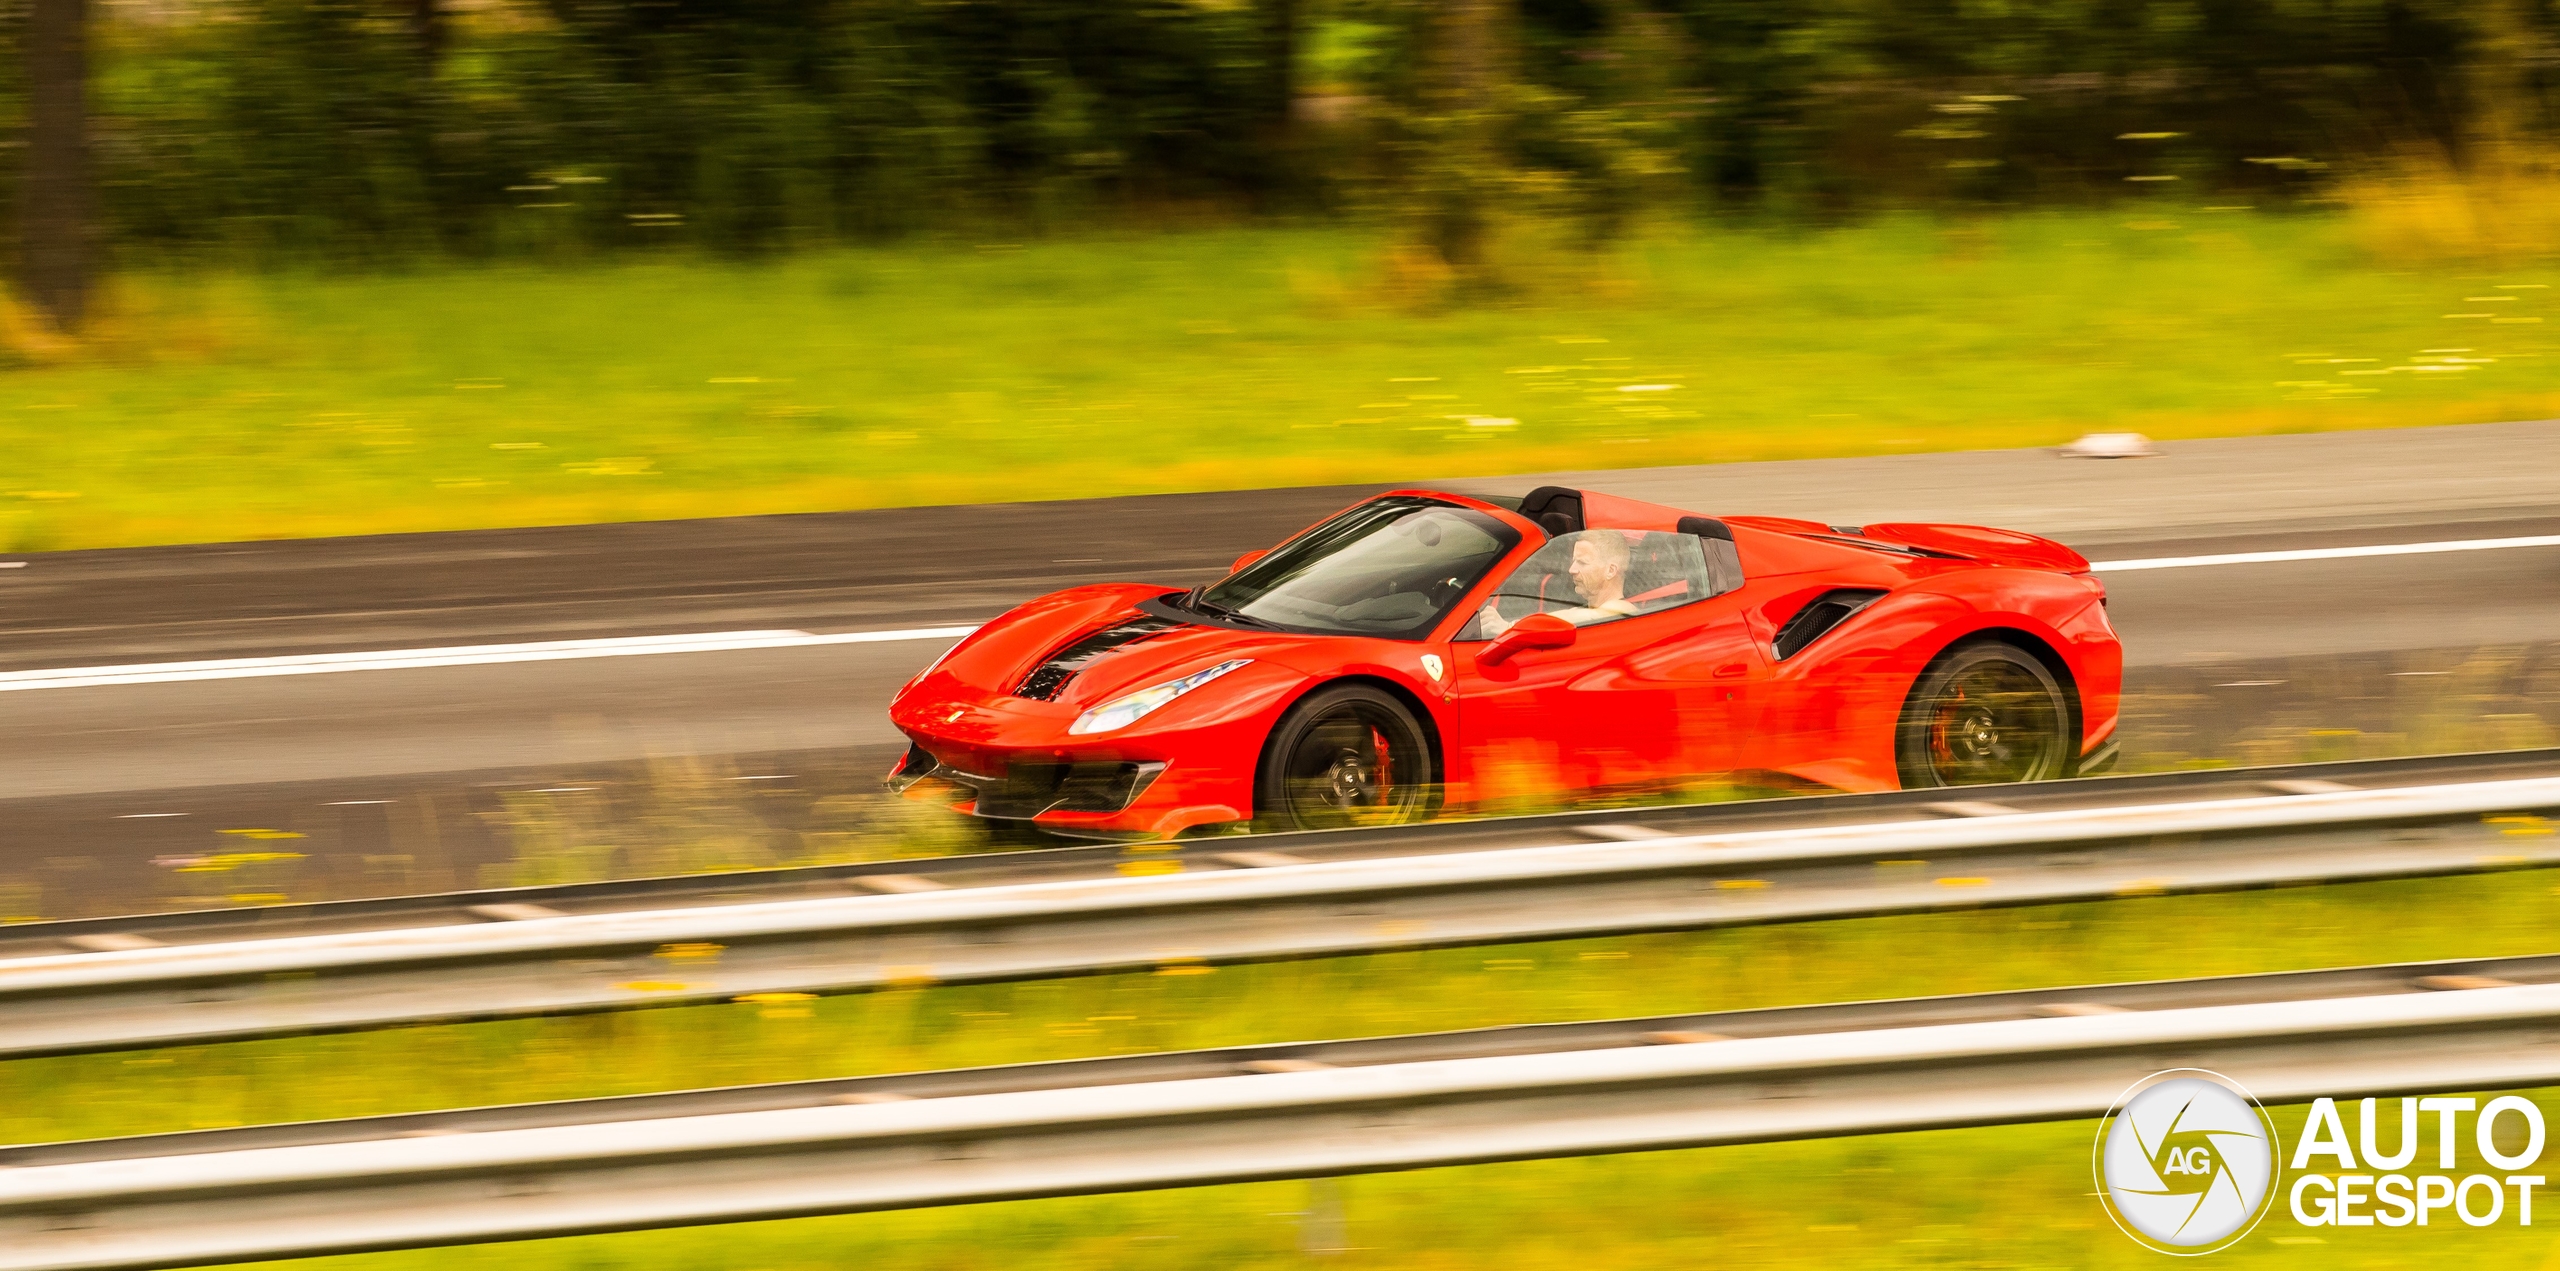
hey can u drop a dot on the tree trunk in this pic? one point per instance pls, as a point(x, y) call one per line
point(426, 30)
point(54, 215)
point(2501, 84)
point(1471, 78)
point(1279, 63)
point(1467, 41)
point(1276, 103)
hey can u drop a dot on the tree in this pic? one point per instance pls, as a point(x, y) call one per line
point(427, 31)
point(1455, 168)
point(1279, 54)
point(57, 202)
point(2505, 50)
point(1282, 170)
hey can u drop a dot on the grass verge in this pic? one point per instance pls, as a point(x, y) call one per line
point(279, 406)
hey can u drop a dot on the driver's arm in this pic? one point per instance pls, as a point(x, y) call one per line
point(1585, 615)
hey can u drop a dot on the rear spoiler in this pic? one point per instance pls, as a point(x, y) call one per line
point(1982, 543)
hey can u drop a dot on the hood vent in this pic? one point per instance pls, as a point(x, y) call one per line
point(1049, 679)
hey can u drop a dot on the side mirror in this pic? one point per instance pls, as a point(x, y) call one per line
point(1537, 631)
point(1244, 560)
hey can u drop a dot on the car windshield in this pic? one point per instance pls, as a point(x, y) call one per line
point(1392, 567)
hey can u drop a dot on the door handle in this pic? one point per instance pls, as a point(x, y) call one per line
point(1732, 670)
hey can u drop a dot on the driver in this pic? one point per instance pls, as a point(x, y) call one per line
point(1599, 573)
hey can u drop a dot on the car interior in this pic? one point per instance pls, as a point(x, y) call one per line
point(1657, 564)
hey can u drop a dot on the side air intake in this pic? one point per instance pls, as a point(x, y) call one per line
point(1828, 610)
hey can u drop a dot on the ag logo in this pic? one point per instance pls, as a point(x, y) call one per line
point(2186, 1161)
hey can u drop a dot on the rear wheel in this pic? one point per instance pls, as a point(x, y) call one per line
point(1346, 756)
point(1985, 713)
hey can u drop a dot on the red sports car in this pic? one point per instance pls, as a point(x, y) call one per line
point(1424, 649)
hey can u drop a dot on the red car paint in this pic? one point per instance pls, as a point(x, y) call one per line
point(1647, 700)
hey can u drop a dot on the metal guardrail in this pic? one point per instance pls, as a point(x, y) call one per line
point(1512, 1039)
point(539, 965)
point(1112, 1125)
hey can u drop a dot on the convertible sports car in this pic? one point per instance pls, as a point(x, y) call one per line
point(1422, 649)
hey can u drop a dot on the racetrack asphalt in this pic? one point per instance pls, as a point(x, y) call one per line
point(2232, 648)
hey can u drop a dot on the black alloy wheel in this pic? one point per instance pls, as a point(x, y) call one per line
point(1985, 713)
point(1346, 756)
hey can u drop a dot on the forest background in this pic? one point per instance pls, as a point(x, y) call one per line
point(293, 267)
point(249, 129)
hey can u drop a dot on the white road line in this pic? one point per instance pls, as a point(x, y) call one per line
point(2326, 553)
point(459, 655)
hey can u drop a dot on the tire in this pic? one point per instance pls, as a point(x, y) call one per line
point(1986, 712)
point(1346, 756)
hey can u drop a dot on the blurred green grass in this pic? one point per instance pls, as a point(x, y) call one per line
point(224, 406)
point(2012, 1196)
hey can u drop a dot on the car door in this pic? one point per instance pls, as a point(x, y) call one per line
point(1715, 674)
point(1649, 698)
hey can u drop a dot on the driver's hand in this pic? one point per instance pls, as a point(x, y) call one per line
point(1492, 621)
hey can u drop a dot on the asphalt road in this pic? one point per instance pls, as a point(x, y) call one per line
point(385, 723)
point(2218, 653)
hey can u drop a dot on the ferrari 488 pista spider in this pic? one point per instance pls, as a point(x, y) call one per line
point(1422, 649)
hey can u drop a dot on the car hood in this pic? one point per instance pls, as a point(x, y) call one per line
point(1084, 647)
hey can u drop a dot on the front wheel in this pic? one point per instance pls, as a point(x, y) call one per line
point(1985, 713)
point(1346, 756)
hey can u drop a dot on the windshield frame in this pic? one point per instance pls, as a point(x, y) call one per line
point(1293, 556)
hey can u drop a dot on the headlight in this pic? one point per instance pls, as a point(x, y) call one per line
point(1120, 712)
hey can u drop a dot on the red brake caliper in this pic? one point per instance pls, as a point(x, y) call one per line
point(1386, 763)
point(1944, 725)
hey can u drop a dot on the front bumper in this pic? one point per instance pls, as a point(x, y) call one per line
point(993, 754)
point(1100, 793)
point(1027, 790)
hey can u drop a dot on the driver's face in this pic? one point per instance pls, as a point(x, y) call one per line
point(1594, 573)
